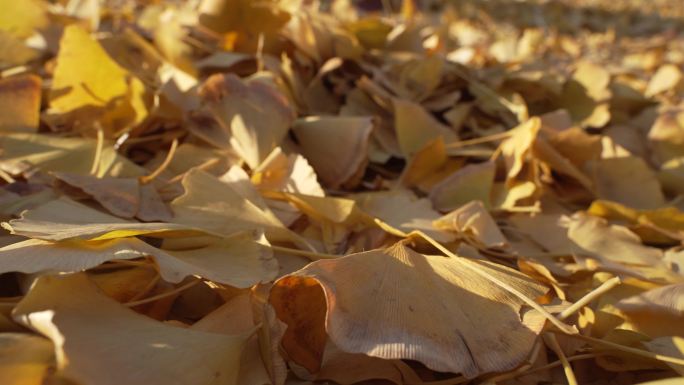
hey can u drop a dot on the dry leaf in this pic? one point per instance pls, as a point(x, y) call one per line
point(336, 147)
point(139, 350)
point(254, 114)
point(449, 333)
point(20, 100)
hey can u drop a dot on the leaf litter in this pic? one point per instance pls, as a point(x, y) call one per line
point(291, 192)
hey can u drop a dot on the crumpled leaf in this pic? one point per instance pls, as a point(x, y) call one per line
point(80, 320)
point(453, 332)
point(473, 218)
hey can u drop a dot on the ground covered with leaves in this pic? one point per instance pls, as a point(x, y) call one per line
point(287, 192)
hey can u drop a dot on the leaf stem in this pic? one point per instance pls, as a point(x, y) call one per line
point(169, 156)
point(592, 295)
point(304, 253)
point(163, 295)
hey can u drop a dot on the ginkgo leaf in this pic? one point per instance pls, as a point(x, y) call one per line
point(14, 51)
point(73, 155)
point(516, 148)
point(216, 207)
point(248, 18)
point(473, 218)
point(656, 312)
point(659, 226)
point(671, 346)
point(76, 83)
point(453, 331)
point(80, 320)
point(404, 211)
point(289, 173)
point(22, 18)
point(336, 147)
point(254, 112)
point(25, 359)
point(20, 103)
point(120, 196)
point(63, 219)
point(87, 81)
point(415, 127)
point(239, 261)
point(595, 237)
point(627, 180)
point(666, 78)
point(472, 182)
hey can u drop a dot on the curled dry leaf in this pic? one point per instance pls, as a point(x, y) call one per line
point(474, 219)
point(80, 320)
point(469, 325)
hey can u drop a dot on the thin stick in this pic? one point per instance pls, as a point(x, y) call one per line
point(309, 254)
point(559, 363)
point(484, 139)
point(98, 151)
point(260, 53)
point(6, 176)
point(449, 381)
point(627, 349)
point(567, 368)
point(592, 295)
point(169, 156)
point(513, 374)
point(202, 166)
point(147, 288)
point(163, 295)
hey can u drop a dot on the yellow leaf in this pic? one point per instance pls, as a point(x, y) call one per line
point(666, 78)
point(85, 74)
point(22, 18)
point(80, 320)
point(25, 359)
point(415, 127)
point(87, 82)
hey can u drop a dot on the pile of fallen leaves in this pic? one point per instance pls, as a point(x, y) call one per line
point(285, 192)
